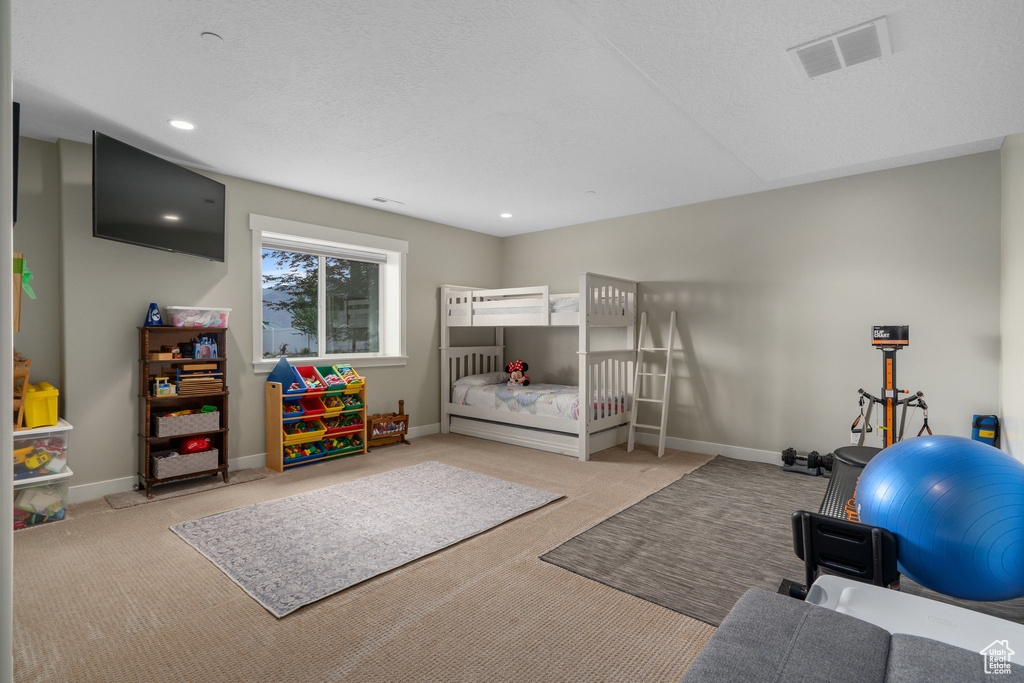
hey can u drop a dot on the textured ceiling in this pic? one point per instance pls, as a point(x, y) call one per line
point(556, 111)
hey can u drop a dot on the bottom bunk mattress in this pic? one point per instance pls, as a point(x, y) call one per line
point(549, 400)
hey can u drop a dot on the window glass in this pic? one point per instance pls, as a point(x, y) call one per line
point(353, 306)
point(291, 284)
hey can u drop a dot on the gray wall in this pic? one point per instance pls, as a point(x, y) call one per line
point(776, 294)
point(35, 234)
point(107, 287)
point(1012, 390)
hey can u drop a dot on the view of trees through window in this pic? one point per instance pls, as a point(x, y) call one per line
point(294, 293)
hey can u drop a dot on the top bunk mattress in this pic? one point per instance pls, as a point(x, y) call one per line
point(557, 303)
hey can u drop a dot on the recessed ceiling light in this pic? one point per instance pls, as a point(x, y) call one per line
point(506, 215)
point(172, 217)
point(184, 125)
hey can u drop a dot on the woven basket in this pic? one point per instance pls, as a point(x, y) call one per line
point(186, 424)
point(164, 468)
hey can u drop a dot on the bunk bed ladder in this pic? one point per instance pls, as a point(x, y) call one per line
point(643, 376)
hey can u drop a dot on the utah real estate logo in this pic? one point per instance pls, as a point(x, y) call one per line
point(997, 657)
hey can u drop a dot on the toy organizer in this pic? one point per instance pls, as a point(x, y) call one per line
point(41, 474)
point(314, 413)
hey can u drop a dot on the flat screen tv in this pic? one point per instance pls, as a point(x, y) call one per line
point(142, 199)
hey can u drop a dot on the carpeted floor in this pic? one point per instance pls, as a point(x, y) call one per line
point(114, 595)
point(698, 544)
point(185, 487)
point(291, 552)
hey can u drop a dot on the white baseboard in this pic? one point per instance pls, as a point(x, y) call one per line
point(86, 492)
point(424, 430)
point(736, 452)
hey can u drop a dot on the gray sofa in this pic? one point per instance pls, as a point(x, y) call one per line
point(771, 637)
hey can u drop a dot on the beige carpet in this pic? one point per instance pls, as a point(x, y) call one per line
point(186, 487)
point(114, 595)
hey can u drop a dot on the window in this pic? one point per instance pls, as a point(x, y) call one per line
point(326, 295)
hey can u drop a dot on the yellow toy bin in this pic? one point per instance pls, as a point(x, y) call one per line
point(40, 405)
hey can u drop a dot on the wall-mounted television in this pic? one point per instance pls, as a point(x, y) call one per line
point(141, 199)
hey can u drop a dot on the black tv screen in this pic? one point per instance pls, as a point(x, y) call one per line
point(142, 199)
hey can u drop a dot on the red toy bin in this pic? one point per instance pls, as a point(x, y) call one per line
point(292, 410)
point(314, 382)
point(313, 406)
point(342, 424)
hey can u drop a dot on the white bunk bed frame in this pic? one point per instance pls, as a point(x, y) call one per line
point(603, 302)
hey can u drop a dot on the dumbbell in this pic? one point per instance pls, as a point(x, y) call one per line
point(812, 461)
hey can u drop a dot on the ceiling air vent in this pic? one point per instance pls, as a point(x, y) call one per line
point(843, 49)
point(385, 200)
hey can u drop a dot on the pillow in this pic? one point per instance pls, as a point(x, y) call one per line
point(481, 380)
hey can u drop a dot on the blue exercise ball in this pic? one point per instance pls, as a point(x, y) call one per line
point(956, 507)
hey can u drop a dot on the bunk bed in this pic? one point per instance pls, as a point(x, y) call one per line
point(577, 420)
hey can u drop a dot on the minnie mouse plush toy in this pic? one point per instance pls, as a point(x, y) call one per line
point(517, 369)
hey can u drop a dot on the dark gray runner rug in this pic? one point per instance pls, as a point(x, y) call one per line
point(698, 544)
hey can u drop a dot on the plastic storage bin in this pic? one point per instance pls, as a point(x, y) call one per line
point(314, 382)
point(194, 316)
point(291, 410)
point(40, 405)
point(41, 501)
point(41, 452)
point(303, 431)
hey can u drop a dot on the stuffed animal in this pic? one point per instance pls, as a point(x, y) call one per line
point(517, 369)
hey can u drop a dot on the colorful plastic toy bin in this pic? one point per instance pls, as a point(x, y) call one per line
point(292, 410)
point(335, 404)
point(297, 453)
point(288, 377)
point(341, 445)
point(40, 503)
point(332, 380)
point(314, 382)
point(194, 316)
point(351, 378)
point(41, 452)
point(302, 431)
point(313, 406)
point(342, 424)
point(40, 405)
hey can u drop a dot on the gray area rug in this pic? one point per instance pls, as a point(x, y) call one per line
point(290, 552)
point(186, 487)
point(698, 544)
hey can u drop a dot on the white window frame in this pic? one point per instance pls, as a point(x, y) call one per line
point(392, 297)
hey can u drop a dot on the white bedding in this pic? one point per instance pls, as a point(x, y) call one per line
point(550, 400)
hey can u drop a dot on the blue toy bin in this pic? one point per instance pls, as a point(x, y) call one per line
point(292, 416)
point(286, 375)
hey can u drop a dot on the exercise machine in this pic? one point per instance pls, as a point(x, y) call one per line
point(890, 339)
